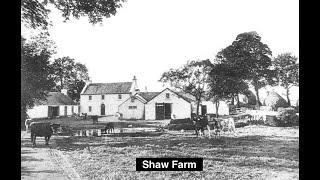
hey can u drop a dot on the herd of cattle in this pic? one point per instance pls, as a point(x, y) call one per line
point(213, 124)
point(200, 124)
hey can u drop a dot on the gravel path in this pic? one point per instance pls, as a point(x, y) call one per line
point(43, 162)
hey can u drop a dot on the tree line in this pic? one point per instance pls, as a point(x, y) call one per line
point(246, 62)
point(40, 75)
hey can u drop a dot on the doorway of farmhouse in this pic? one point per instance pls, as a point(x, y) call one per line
point(103, 109)
point(163, 111)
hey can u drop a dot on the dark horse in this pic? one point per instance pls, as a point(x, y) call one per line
point(202, 122)
point(109, 128)
point(42, 129)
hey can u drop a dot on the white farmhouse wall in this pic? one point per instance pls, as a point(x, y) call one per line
point(132, 113)
point(211, 107)
point(110, 101)
point(69, 110)
point(38, 112)
point(61, 110)
point(180, 107)
point(76, 109)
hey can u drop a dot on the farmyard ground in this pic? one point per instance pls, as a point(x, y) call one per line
point(257, 152)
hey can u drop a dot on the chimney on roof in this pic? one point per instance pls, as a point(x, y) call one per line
point(64, 91)
point(134, 86)
point(88, 82)
point(145, 89)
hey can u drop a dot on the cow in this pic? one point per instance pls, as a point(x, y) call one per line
point(210, 123)
point(109, 128)
point(42, 129)
point(200, 123)
point(226, 125)
point(27, 124)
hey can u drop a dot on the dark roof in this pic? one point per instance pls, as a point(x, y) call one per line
point(57, 98)
point(148, 95)
point(187, 96)
point(108, 88)
point(177, 93)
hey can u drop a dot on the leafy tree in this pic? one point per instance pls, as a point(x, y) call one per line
point(75, 89)
point(35, 71)
point(69, 75)
point(224, 83)
point(252, 60)
point(34, 13)
point(287, 69)
point(190, 78)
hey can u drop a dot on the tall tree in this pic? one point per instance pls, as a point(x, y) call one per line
point(252, 60)
point(34, 13)
point(35, 71)
point(69, 75)
point(287, 68)
point(224, 83)
point(190, 78)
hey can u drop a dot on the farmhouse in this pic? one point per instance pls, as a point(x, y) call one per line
point(56, 104)
point(126, 99)
point(104, 98)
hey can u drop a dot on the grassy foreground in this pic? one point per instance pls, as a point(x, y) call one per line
point(257, 152)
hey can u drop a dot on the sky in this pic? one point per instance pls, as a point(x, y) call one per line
point(148, 37)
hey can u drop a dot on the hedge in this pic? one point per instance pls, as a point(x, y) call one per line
point(181, 121)
point(178, 127)
point(287, 117)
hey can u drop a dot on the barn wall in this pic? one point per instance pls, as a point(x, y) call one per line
point(180, 107)
point(75, 109)
point(61, 110)
point(38, 112)
point(110, 101)
point(132, 113)
point(211, 108)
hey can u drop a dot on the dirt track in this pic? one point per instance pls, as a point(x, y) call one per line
point(43, 162)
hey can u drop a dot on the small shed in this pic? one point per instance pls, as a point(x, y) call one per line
point(56, 104)
point(132, 108)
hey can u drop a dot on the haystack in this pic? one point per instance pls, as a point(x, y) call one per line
point(275, 101)
point(251, 97)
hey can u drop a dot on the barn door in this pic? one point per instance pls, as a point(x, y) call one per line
point(50, 111)
point(167, 111)
point(203, 110)
point(159, 111)
point(103, 109)
point(65, 110)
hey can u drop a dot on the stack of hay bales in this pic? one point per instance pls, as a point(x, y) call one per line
point(274, 100)
point(251, 97)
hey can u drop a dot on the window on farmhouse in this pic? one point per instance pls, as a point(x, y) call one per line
point(132, 107)
point(167, 95)
point(90, 108)
point(102, 97)
point(119, 96)
point(90, 97)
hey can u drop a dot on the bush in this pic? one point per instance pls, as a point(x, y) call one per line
point(287, 117)
point(255, 122)
point(241, 124)
point(178, 127)
point(181, 121)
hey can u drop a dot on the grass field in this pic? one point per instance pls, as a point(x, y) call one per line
point(257, 152)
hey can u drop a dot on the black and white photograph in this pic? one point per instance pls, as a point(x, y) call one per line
point(159, 89)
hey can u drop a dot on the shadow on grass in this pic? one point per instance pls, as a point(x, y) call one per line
point(27, 171)
point(259, 150)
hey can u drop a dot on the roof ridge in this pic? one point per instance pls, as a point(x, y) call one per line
point(111, 82)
